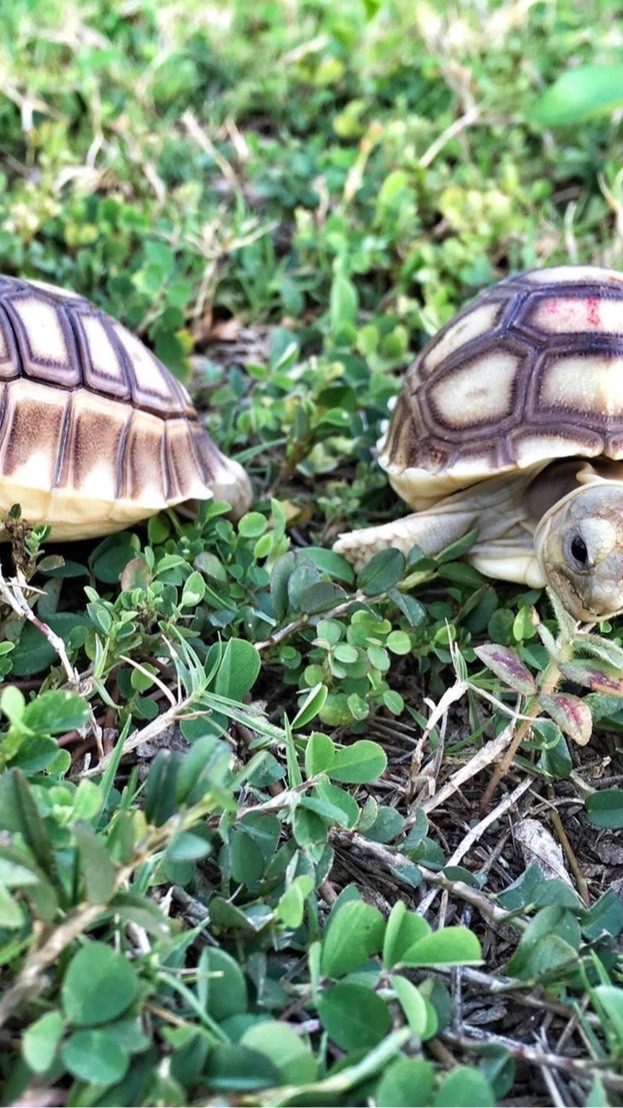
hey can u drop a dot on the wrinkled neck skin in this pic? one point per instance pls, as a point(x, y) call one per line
point(579, 546)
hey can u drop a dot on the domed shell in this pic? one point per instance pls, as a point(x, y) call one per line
point(95, 432)
point(530, 371)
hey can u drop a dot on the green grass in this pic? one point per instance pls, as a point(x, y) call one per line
point(242, 858)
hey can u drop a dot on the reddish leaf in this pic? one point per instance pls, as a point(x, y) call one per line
point(136, 575)
point(571, 714)
point(505, 663)
point(603, 678)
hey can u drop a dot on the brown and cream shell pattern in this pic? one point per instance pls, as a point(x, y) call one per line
point(531, 370)
point(95, 432)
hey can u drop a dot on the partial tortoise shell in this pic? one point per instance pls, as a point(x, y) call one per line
point(530, 371)
point(95, 432)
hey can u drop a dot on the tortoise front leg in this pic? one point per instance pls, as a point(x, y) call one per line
point(431, 530)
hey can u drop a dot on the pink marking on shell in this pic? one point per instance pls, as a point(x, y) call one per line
point(593, 315)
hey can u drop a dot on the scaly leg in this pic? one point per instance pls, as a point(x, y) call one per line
point(432, 530)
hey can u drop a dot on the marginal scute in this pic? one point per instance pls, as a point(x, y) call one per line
point(32, 433)
point(94, 447)
point(184, 482)
point(45, 340)
point(9, 361)
point(103, 365)
point(143, 466)
point(532, 448)
point(152, 386)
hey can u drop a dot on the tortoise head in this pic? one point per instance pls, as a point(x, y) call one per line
point(579, 546)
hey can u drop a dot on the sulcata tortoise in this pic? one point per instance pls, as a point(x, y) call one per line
point(95, 433)
point(511, 422)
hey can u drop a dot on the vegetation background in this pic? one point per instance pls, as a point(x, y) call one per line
point(242, 856)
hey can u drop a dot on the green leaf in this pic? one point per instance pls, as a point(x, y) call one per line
point(111, 556)
point(252, 525)
point(361, 763)
point(279, 578)
point(194, 590)
point(580, 93)
point(417, 1010)
point(238, 670)
point(95, 1056)
point(210, 566)
point(453, 946)
point(386, 826)
point(331, 562)
point(221, 986)
point(98, 986)
point(398, 642)
point(264, 829)
point(141, 911)
point(551, 940)
point(96, 866)
point(160, 788)
point(409, 606)
point(40, 1041)
point(291, 906)
point(333, 804)
point(320, 596)
point(353, 1016)
point(311, 706)
point(18, 871)
point(605, 809)
point(406, 1081)
point(13, 704)
point(343, 302)
point(608, 1001)
point(236, 1067)
point(382, 572)
point(319, 754)
point(188, 846)
point(11, 913)
point(522, 892)
point(246, 858)
point(310, 831)
point(204, 767)
point(403, 930)
point(55, 712)
point(464, 1087)
point(19, 813)
point(287, 1051)
point(355, 932)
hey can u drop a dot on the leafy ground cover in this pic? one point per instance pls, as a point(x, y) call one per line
point(245, 856)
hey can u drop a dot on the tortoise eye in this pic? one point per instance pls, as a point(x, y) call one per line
point(579, 551)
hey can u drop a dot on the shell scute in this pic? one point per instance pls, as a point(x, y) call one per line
point(104, 367)
point(45, 340)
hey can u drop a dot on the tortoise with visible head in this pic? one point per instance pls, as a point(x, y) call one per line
point(511, 422)
point(95, 432)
